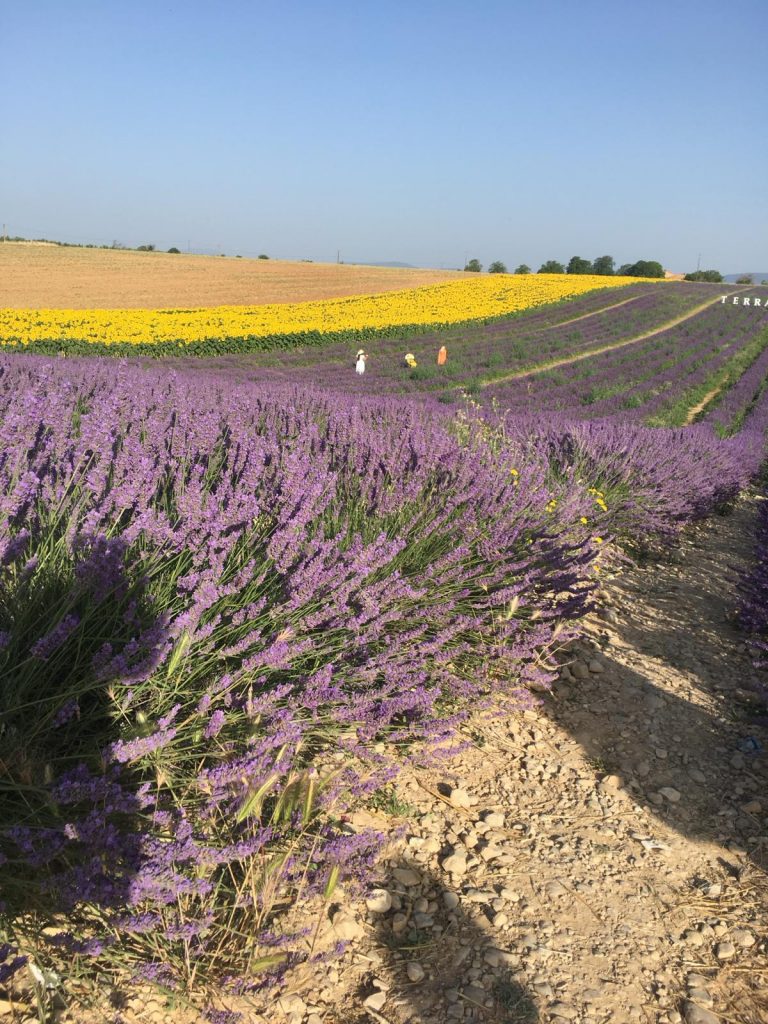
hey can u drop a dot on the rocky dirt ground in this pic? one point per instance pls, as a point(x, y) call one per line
point(602, 858)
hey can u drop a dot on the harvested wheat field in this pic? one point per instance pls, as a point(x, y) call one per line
point(43, 276)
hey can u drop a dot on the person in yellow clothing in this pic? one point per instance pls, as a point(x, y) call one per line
point(410, 360)
point(442, 355)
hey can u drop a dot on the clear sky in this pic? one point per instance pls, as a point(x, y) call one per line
point(412, 130)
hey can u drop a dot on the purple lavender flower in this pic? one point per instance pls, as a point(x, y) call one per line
point(66, 713)
point(123, 751)
point(46, 645)
point(215, 1016)
point(215, 725)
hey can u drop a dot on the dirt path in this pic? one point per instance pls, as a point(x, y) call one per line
point(603, 348)
point(694, 411)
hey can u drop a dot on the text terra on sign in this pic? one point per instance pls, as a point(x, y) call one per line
point(745, 300)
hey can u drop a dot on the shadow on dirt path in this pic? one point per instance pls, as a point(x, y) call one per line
point(441, 959)
point(665, 696)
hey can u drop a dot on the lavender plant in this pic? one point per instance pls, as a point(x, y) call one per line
point(214, 602)
point(753, 610)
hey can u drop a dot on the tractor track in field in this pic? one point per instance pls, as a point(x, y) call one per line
point(666, 326)
point(695, 410)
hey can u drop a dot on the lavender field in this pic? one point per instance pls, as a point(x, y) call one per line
point(238, 595)
point(479, 354)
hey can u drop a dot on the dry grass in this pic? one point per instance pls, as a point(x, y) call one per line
point(36, 276)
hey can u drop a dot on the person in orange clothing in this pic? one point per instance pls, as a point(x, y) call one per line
point(442, 355)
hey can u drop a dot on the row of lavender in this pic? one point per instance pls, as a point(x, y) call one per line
point(222, 604)
point(753, 614)
point(728, 414)
point(649, 378)
point(216, 602)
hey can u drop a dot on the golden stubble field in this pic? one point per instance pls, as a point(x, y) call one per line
point(39, 276)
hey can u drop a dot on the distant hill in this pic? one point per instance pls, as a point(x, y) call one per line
point(383, 263)
point(756, 277)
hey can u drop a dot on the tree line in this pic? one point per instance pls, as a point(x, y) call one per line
point(604, 266)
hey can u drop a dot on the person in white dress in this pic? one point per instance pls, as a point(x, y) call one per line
point(360, 364)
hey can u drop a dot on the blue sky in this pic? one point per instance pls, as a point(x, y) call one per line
point(427, 132)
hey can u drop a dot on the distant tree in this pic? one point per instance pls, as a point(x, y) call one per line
point(523, 269)
point(551, 267)
point(263, 256)
point(174, 249)
point(705, 275)
point(604, 266)
point(146, 248)
point(475, 266)
point(643, 268)
point(650, 268)
point(577, 265)
point(497, 267)
point(744, 279)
